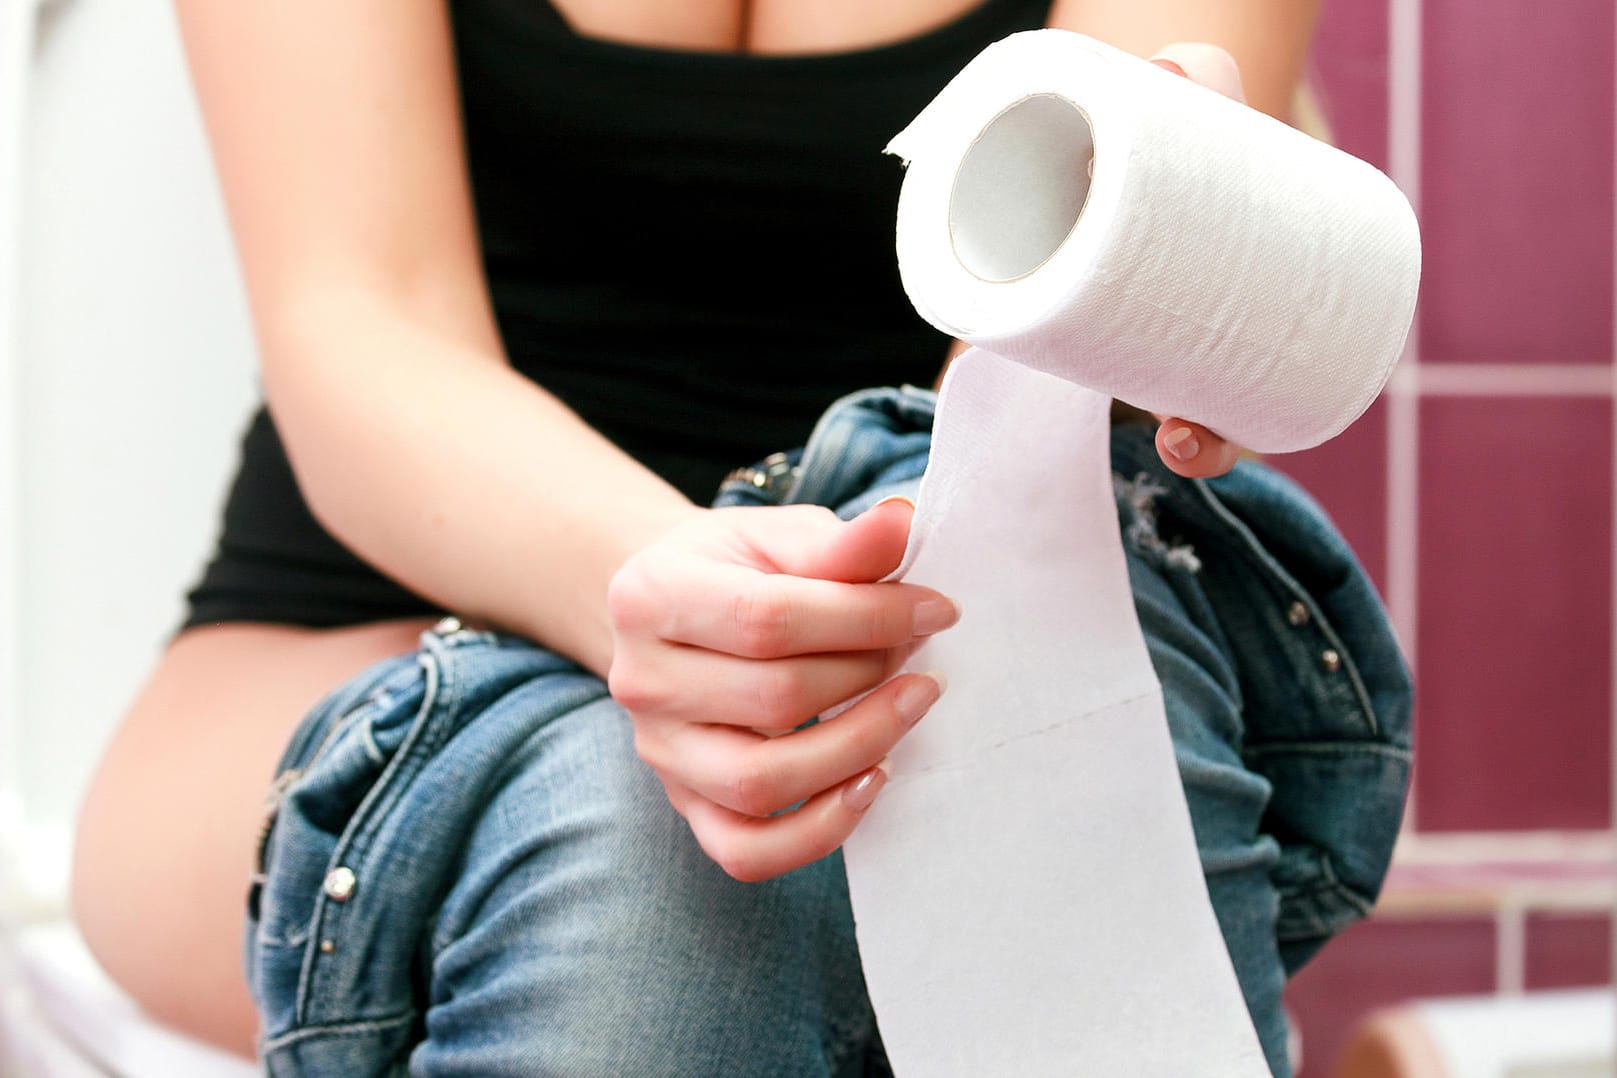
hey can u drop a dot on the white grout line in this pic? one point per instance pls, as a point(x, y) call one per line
point(1403, 534)
point(1525, 847)
point(1403, 407)
point(1514, 380)
point(1510, 950)
point(1404, 97)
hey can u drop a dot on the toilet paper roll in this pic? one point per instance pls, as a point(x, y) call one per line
point(1027, 890)
point(1082, 212)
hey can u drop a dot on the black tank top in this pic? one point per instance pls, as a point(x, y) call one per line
point(693, 250)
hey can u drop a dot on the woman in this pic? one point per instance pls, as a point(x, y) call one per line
point(680, 253)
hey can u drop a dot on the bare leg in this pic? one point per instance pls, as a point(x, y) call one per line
point(167, 833)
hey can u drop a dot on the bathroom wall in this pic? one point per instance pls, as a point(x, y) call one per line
point(1479, 492)
point(127, 368)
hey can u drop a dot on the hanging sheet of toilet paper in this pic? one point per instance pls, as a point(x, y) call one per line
point(1027, 890)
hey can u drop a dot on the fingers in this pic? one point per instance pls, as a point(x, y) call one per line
point(740, 611)
point(693, 685)
point(746, 623)
point(810, 541)
point(752, 850)
point(1191, 450)
point(765, 601)
point(864, 549)
point(755, 775)
point(1206, 64)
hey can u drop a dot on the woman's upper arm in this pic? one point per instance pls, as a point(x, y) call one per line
point(336, 132)
point(1268, 38)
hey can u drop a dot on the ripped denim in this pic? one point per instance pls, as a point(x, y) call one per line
point(470, 872)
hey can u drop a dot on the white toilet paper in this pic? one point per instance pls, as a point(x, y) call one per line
point(1027, 892)
point(1219, 266)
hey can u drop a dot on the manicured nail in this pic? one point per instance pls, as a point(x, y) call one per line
point(864, 789)
point(1182, 444)
point(1203, 63)
point(935, 615)
point(918, 694)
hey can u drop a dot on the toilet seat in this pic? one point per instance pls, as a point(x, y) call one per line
point(66, 1015)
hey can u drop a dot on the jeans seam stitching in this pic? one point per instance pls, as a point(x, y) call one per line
point(1331, 886)
point(337, 1029)
point(1276, 574)
point(349, 841)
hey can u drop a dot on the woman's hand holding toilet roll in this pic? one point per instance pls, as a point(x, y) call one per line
point(740, 625)
point(1190, 449)
point(737, 628)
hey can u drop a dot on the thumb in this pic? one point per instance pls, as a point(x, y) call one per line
point(1202, 63)
point(862, 550)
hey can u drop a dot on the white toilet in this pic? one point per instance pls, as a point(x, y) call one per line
point(108, 205)
point(61, 1017)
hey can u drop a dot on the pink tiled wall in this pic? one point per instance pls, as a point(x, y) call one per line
point(1516, 180)
point(1479, 490)
point(1515, 613)
point(1511, 375)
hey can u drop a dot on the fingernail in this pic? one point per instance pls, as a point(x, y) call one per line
point(1169, 65)
point(895, 498)
point(1182, 444)
point(864, 789)
point(1204, 63)
point(935, 615)
point(918, 694)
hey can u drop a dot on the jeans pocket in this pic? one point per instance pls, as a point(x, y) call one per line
point(338, 757)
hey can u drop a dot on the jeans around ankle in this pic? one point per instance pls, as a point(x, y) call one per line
point(469, 872)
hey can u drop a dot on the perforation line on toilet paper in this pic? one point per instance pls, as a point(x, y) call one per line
point(1027, 891)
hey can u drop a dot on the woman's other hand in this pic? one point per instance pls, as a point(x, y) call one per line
point(739, 626)
point(1190, 449)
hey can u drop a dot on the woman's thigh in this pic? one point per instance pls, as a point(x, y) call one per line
point(166, 836)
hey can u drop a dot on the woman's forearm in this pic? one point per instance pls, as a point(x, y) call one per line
point(1268, 38)
point(336, 129)
point(455, 475)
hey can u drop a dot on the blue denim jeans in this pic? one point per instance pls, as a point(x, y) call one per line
point(468, 871)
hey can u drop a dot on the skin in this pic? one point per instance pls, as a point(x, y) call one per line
point(336, 134)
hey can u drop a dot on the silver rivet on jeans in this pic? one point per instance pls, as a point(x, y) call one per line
point(340, 884)
point(1297, 614)
point(447, 626)
point(1331, 659)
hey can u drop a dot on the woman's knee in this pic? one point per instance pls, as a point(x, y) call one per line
point(583, 893)
point(508, 836)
